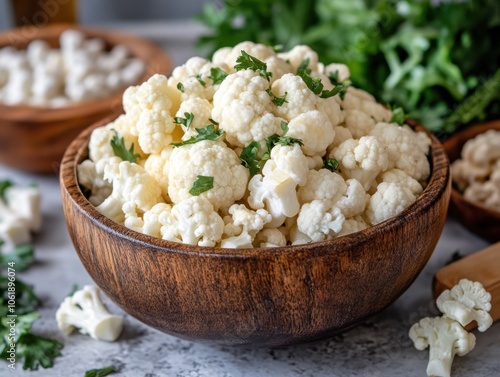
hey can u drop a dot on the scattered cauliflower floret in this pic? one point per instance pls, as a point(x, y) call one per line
point(362, 159)
point(243, 109)
point(192, 221)
point(207, 158)
point(249, 222)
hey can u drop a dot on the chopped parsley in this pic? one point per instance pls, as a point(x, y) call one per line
point(119, 149)
point(204, 133)
point(203, 183)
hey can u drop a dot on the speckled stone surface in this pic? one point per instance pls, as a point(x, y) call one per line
point(380, 347)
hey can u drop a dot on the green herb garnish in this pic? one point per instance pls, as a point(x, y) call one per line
point(331, 164)
point(246, 61)
point(119, 149)
point(180, 87)
point(200, 80)
point(22, 256)
point(398, 116)
point(204, 133)
point(102, 372)
point(186, 122)
point(278, 101)
point(276, 139)
point(4, 185)
point(217, 75)
point(203, 183)
point(249, 158)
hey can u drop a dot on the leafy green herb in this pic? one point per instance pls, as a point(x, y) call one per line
point(303, 66)
point(73, 290)
point(213, 122)
point(26, 300)
point(334, 77)
point(331, 164)
point(276, 139)
point(314, 84)
point(180, 87)
point(203, 183)
point(22, 256)
point(200, 80)
point(398, 116)
point(119, 149)
point(278, 101)
point(3, 186)
point(217, 75)
point(186, 122)
point(284, 127)
point(204, 133)
point(249, 158)
point(246, 61)
point(100, 372)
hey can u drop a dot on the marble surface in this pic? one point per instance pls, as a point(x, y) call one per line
point(380, 347)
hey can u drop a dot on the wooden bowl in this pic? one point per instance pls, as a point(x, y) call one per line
point(258, 297)
point(34, 139)
point(479, 219)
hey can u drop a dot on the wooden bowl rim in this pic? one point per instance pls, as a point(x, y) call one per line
point(462, 137)
point(110, 36)
point(439, 180)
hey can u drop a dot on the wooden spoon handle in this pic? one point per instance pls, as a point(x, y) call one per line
point(483, 266)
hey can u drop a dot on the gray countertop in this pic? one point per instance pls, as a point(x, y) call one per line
point(380, 347)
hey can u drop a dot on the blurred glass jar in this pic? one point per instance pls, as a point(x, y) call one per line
point(44, 12)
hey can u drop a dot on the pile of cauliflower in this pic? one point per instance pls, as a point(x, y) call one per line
point(80, 70)
point(477, 173)
point(253, 149)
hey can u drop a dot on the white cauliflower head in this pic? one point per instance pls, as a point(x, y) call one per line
point(318, 221)
point(315, 131)
point(322, 185)
point(249, 222)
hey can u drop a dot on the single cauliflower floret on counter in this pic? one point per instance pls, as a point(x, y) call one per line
point(314, 130)
point(319, 221)
point(407, 149)
point(209, 159)
point(243, 109)
point(362, 159)
point(149, 110)
point(192, 221)
point(248, 222)
point(131, 183)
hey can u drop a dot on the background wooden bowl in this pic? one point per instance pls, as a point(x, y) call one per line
point(480, 220)
point(34, 139)
point(258, 297)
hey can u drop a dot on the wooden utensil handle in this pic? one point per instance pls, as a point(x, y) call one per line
point(483, 266)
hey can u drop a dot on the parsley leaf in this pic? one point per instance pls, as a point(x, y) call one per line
point(180, 87)
point(119, 149)
point(303, 66)
point(331, 164)
point(249, 158)
point(26, 300)
point(3, 186)
point(200, 80)
point(204, 133)
point(23, 256)
point(100, 372)
point(284, 127)
point(203, 183)
point(217, 75)
point(398, 116)
point(278, 101)
point(186, 122)
point(314, 84)
point(334, 77)
point(246, 61)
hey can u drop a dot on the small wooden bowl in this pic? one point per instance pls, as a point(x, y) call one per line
point(257, 297)
point(479, 219)
point(34, 139)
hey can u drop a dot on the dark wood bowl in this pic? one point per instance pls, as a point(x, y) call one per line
point(257, 297)
point(34, 139)
point(479, 219)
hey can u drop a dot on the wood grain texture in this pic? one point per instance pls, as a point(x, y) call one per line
point(479, 219)
point(258, 297)
point(34, 139)
point(483, 266)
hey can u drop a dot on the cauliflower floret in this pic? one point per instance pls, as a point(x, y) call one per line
point(314, 130)
point(342, 71)
point(270, 237)
point(152, 225)
point(318, 221)
point(353, 225)
point(362, 159)
point(243, 109)
point(89, 178)
point(407, 150)
point(322, 185)
point(150, 112)
point(484, 149)
point(192, 221)
point(358, 122)
point(290, 160)
point(300, 99)
point(354, 200)
point(131, 183)
point(249, 222)
point(389, 200)
point(157, 166)
point(341, 134)
point(202, 111)
point(298, 54)
point(212, 159)
point(401, 178)
point(357, 99)
point(257, 50)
